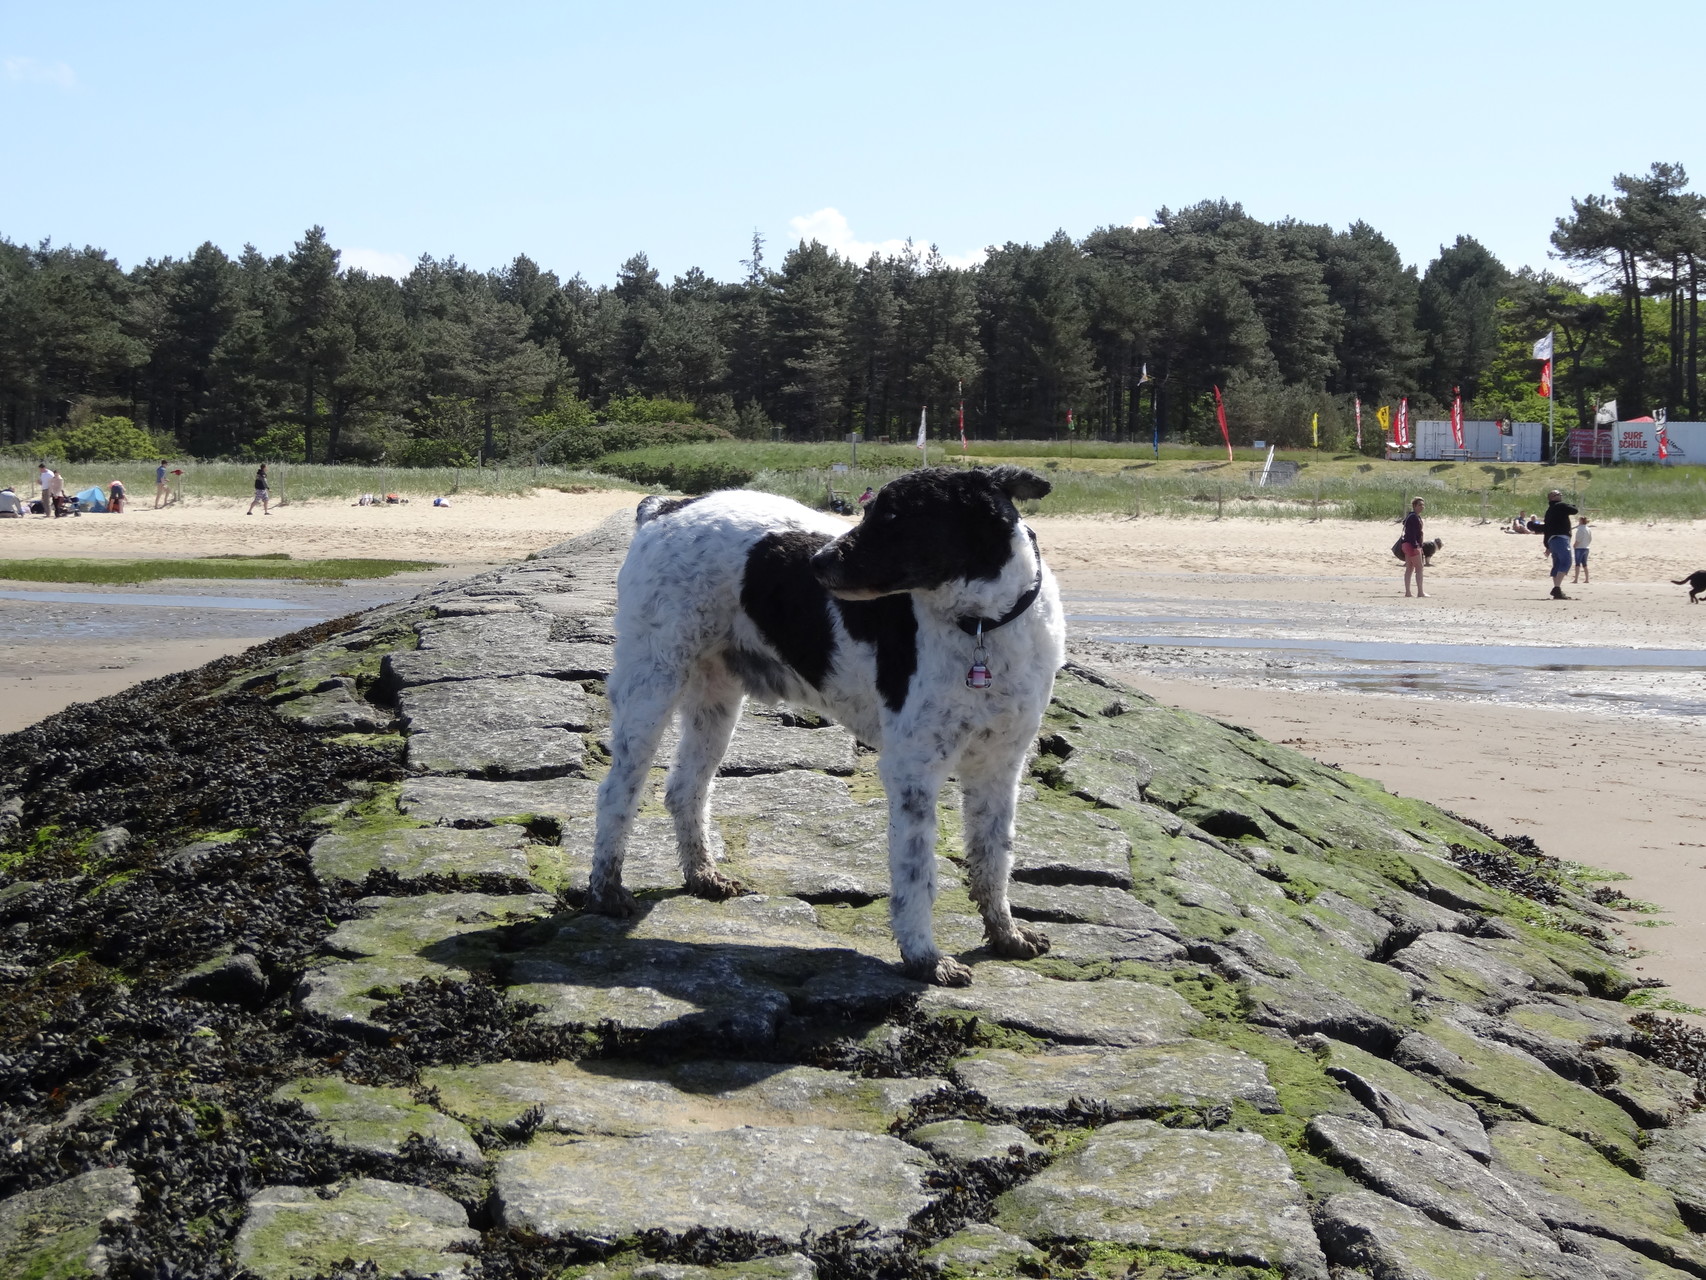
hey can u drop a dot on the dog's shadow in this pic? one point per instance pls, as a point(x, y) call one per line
point(747, 977)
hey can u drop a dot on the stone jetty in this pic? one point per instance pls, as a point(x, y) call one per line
point(1291, 1024)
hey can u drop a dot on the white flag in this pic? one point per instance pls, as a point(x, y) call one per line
point(921, 412)
point(1543, 348)
point(1660, 416)
point(1606, 415)
point(1144, 376)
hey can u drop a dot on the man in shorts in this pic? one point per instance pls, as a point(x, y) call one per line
point(1556, 531)
point(161, 494)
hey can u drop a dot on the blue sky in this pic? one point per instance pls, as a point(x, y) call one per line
point(581, 133)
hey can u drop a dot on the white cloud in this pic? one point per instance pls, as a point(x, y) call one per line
point(29, 71)
point(1140, 223)
point(376, 262)
point(829, 228)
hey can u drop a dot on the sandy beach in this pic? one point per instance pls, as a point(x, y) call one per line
point(1601, 763)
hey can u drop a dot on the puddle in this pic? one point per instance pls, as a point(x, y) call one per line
point(115, 598)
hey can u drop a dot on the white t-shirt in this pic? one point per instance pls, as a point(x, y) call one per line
point(1584, 535)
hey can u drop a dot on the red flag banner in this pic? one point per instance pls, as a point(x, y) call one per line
point(1220, 412)
point(1402, 426)
point(1457, 417)
point(1663, 441)
point(1544, 390)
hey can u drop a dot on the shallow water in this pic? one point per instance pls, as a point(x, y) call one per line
point(214, 611)
point(1310, 647)
point(112, 598)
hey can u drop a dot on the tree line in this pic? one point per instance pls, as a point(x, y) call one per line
point(1123, 333)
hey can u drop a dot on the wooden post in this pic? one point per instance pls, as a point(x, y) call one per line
point(1136, 498)
point(1219, 500)
point(282, 500)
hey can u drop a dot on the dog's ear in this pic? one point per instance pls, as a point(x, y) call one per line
point(1019, 484)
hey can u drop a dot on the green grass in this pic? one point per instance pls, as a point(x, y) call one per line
point(129, 571)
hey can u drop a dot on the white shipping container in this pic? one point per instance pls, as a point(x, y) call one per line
point(1481, 439)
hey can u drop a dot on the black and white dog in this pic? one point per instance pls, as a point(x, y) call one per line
point(932, 631)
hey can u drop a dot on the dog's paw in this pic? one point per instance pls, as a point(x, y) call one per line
point(1024, 943)
point(716, 887)
point(617, 902)
point(940, 972)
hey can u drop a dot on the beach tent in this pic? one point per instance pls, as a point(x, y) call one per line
point(92, 500)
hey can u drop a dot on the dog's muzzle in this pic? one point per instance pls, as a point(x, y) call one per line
point(830, 569)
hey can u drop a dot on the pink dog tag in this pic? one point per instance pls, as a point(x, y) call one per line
point(978, 677)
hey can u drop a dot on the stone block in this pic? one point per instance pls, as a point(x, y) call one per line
point(629, 1099)
point(378, 1121)
point(1224, 1197)
point(417, 852)
point(55, 1233)
point(290, 1233)
point(498, 753)
point(1126, 1082)
point(1112, 1011)
point(519, 702)
point(778, 1183)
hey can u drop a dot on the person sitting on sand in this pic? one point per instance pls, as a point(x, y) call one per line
point(1518, 524)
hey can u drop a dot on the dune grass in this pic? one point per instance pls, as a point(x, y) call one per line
point(1090, 478)
point(123, 572)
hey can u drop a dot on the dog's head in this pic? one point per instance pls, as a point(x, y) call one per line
point(927, 529)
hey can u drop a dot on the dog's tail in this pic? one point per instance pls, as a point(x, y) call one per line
point(1680, 582)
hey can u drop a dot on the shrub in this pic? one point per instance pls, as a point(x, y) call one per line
point(105, 440)
point(639, 410)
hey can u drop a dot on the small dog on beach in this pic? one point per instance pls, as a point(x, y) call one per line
point(1696, 584)
point(1429, 546)
point(932, 630)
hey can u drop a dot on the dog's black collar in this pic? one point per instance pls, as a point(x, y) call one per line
point(972, 625)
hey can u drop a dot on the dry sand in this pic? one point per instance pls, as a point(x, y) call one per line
point(471, 530)
point(1614, 790)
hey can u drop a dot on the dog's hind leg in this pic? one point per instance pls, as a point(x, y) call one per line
point(640, 703)
point(989, 784)
point(710, 709)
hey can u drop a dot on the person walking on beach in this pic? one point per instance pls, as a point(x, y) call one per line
point(162, 493)
point(1584, 538)
point(1556, 530)
point(262, 493)
point(1412, 545)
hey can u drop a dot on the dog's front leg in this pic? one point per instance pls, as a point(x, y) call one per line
point(913, 787)
point(989, 784)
